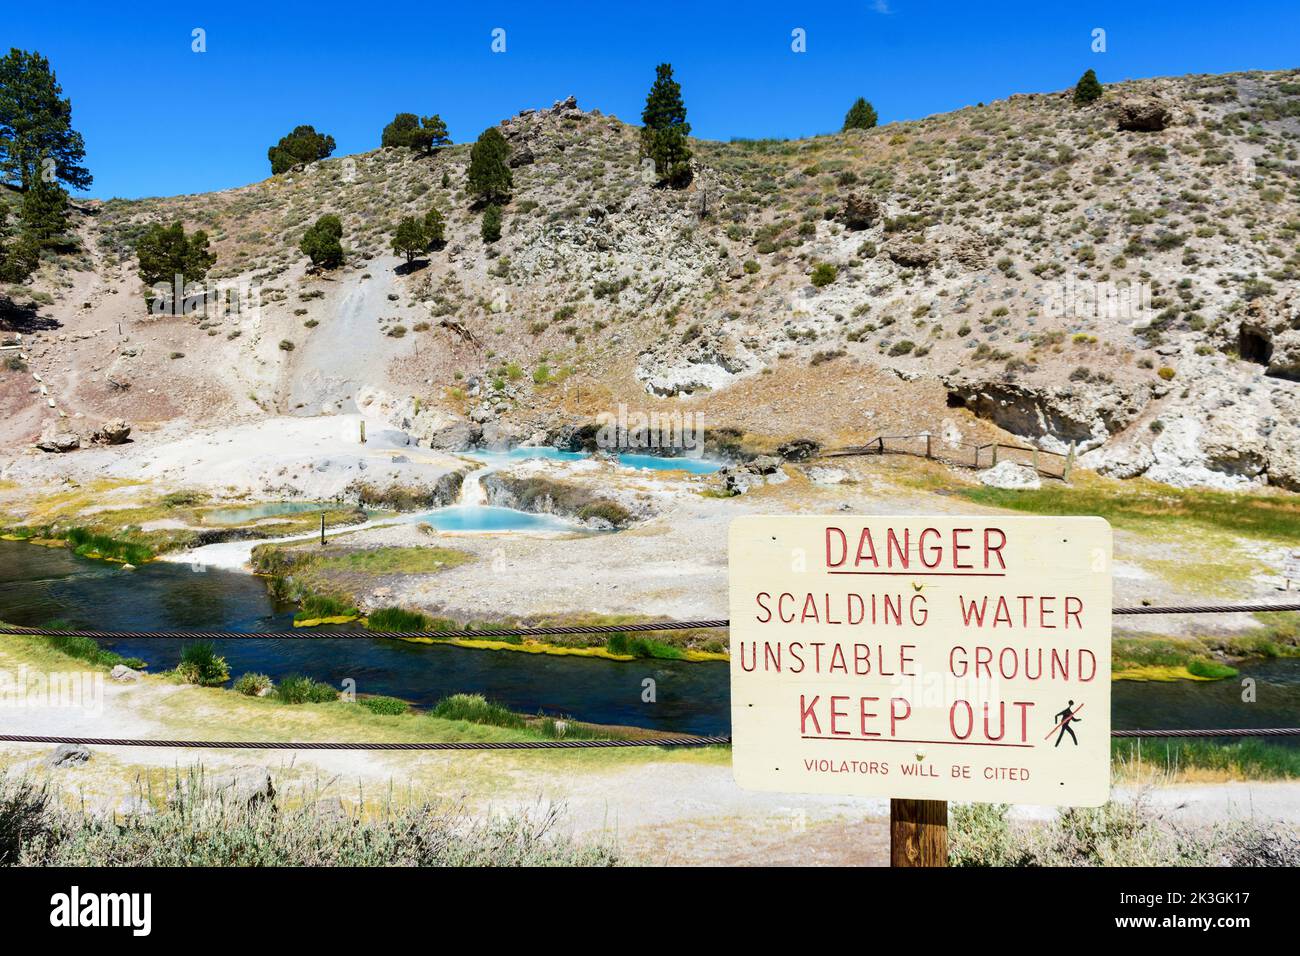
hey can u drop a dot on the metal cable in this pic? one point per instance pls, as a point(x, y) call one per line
point(697, 741)
point(545, 631)
point(705, 741)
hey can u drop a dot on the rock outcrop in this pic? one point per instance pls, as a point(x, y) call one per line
point(1142, 114)
point(1052, 416)
point(860, 211)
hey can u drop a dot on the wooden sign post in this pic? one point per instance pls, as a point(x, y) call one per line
point(922, 659)
point(918, 832)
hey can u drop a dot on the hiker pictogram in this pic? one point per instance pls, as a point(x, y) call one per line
point(1063, 720)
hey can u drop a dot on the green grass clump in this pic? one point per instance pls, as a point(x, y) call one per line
point(397, 619)
point(200, 664)
point(476, 709)
point(88, 544)
point(317, 606)
point(86, 649)
point(396, 560)
point(297, 689)
point(387, 706)
point(253, 685)
point(1211, 669)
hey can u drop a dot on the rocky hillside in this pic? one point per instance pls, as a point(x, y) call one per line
point(1121, 277)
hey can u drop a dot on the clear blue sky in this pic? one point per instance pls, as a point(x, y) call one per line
point(159, 119)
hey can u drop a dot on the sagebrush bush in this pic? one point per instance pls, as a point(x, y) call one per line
point(200, 827)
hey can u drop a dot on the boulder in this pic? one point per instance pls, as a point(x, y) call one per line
point(1284, 458)
point(1142, 114)
point(798, 449)
point(1010, 474)
point(58, 442)
point(68, 755)
point(1121, 461)
point(522, 156)
point(113, 432)
point(861, 210)
point(124, 674)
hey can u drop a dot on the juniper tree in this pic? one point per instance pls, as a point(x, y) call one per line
point(861, 115)
point(303, 145)
point(409, 240)
point(664, 129)
point(321, 242)
point(435, 227)
point(165, 252)
point(36, 124)
point(1087, 90)
point(426, 133)
point(490, 180)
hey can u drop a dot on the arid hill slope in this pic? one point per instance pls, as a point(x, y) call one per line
point(961, 259)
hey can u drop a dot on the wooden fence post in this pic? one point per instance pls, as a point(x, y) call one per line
point(995, 453)
point(363, 431)
point(918, 832)
point(929, 452)
point(322, 529)
point(1069, 464)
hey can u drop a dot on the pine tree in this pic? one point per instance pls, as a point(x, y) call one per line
point(165, 252)
point(18, 257)
point(303, 145)
point(409, 240)
point(490, 229)
point(44, 213)
point(321, 242)
point(664, 130)
point(861, 115)
point(435, 228)
point(1087, 90)
point(36, 123)
point(490, 179)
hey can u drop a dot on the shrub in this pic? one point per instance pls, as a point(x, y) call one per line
point(385, 706)
point(201, 665)
point(902, 347)
point(823, 274)
point(297, 689)
point(605, 510)
point(201, 828)
point(253, 685)
point(286, 345)
point(1165, 372)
